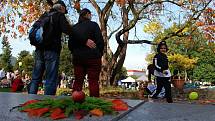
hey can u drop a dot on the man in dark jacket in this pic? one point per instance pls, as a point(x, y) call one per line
point(47, 57)
point(86, 45)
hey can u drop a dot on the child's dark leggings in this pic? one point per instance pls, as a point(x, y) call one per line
point(163, 82)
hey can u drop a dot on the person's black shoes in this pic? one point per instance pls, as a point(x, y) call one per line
point(154, 97)
point(169, 100)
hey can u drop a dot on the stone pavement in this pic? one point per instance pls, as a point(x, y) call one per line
point(154, 111)
point(139, 111)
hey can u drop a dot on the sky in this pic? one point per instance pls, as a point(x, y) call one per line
point(135, 58)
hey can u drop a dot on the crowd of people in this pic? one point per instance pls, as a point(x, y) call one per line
point(20, 81)
point(16, 80)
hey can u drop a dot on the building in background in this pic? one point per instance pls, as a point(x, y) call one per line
point(137, 73)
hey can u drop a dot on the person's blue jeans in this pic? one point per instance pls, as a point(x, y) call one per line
point(48, 62)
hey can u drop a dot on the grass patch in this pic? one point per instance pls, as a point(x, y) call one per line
point(5, 90)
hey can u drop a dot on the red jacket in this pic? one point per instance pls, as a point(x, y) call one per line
point(17, 85)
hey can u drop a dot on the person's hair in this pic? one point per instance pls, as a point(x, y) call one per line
point(82, 15)
point(57, 7)
point(151, 68)
point(161, 44)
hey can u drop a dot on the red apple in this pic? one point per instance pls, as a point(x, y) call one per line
point(78, 96)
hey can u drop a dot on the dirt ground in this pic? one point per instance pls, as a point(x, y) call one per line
point(205, 96)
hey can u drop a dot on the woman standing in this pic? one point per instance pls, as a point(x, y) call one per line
point(162, 72)
point(86, 45)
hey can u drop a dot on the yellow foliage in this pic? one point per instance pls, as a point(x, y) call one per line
point(152, 27)
point(63, 90)
point(182, 62)
point(186, 29)
point(174, 28)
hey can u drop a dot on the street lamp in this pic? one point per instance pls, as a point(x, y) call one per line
point(20, 64)
point(20, 70)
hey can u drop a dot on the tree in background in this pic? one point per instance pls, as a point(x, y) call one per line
point(195, 47)
point(27, 60)
point(181, 63)
point(1, 62)
point(190, 53)
point(122, 74)
point(66, 60)
point(205, 69)
point(6, 55)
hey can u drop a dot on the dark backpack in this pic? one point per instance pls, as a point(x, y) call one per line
point(42, 30)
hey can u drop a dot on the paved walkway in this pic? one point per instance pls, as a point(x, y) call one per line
point(139, 111)
point(153, 111)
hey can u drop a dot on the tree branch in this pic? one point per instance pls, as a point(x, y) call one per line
point(141, 42)
point(107, 14)
point(189, 21)
point(114, 31)
point(95, 5)
point(106, 10)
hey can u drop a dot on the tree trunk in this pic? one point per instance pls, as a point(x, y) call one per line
point(120, 54)
point(105, 74)
point(185, 75)
point(112, 63)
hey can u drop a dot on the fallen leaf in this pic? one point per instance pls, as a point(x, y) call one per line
point(57, 113)
point(37, 112)
point(29, 102)
point(96, 112)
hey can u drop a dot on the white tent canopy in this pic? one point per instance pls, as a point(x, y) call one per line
point(128, 79)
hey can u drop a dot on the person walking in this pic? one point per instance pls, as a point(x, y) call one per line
point(162, 72)
point(2, 73)
point(87, 53)
point(47, 57)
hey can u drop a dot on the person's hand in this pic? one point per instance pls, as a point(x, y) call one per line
point(91, 44)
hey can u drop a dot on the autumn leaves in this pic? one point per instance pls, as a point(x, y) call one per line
point(64, 107)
